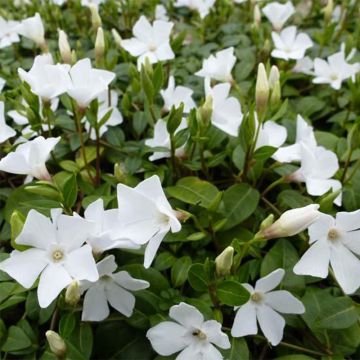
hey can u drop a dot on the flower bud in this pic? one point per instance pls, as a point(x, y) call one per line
point(224, 261)
point(73, 57)
point(261, 91)
point(72, 294)
point(276, 94)
point(64, 47)
point(328, 10)
point(117, 37)
point(99, 46)
point(292, 222)
point(267, 222)
point(56, 343)
point(274, 77)
point(95, 17)
point(205, 111)
point(257, 16)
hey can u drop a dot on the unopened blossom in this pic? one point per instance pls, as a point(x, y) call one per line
point(64, 47)
point(226, 110)
point(33, 29)
point(334, 242)
point(105, 233)
point(160, 13)
point(6, 131)
point(290, 45)
point(45, 79)
point(56, 253)
point(219, 66)
point(150, 41)
point(107, 102)
point(56, 343)
point(146, 215)
point(8, 33)
point(161, 138)
point(224, 261)
point(189, 334)
point(262, 90)
point(111, 288)
point(29, 158)
point(334, 70)
point(264, 307)
point(88, 83)
point(175, 95)
point(201, 6)
point(318, 166)
point(292, 222)
point(278, 13)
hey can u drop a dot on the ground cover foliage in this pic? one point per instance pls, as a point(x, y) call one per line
point(215, 155)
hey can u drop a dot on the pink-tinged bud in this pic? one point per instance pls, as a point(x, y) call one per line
point(292, 222)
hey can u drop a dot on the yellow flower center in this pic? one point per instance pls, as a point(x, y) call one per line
point(256, 297)
point(57, 255)
point(333, 234)
point(199, 334)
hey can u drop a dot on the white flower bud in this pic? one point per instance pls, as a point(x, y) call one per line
point(99, 45)
point(205, 111)
point(274, 76)
point(224, 261)
point(95, 17)
point(117, 37)
point(292, 222)
point(328, 10)
point(56, 343)
point(64, 47)
point(257, 16)
point(261, 90)
point(72, 294)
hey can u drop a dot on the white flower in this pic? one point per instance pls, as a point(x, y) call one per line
point(271, 134)
point(318, 166)
point(334, 241)
point(56, 253)
point(29, 158)
point(290, 44)
point(219, 66)
point(105, 232)
point(304, 134)
point(88, 83)
point(58, 2)
point(334, 71)
point(90, 3)
point(190, 334)
point(8, 34)
point(45, 79)
point(150, 41)
point(278, 13)
point(304, 65)
point(292, 222)
point(264, 306)
point(201, 6)
point(105, 105)
point(33, 29)
point(146, 215)
point(112, 288)
point(226, 111)
point(175, 95)
point(160, 13)
point(6, 131)
point(161, 138)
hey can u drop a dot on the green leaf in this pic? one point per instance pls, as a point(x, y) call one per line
point(16, 340)
point(179, 272)
point(239, 202)
point(174, 118)
point(264, 152)
point(197, 277)
point(238, 351)
point(17, 222)
point(238, 157)
point(164, 261)
point(232, 293)
point(69, 191)
point(192, 190)
point(67, 325)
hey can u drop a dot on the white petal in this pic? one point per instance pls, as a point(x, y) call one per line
point(186, 315)
point(107, 265)
point(52, 281)
point(95, 307)
point(271, 323)
point(348, 220)
point(120, 299)
point(152, 248)
point(245, 321)
point(320, 228)
point(213, 332)
point(125, 280)
point(315, 261)
point(270, 281)
point(134, 46)
point(284, 302)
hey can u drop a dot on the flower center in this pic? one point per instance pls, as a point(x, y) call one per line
point(57, 255)
point(152, 48)
point(333, 234)
point(164, 219)
point(257, 297)
point(199, 334)
point(334, 77)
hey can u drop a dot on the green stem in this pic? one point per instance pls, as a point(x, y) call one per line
point(272, 185)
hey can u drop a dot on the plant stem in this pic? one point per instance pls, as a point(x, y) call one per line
point(272, 185)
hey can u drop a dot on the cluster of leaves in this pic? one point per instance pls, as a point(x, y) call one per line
point(222, 191)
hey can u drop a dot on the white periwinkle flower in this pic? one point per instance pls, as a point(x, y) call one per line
point(57, 253)
point(33, 29)
point(90, 3)
point(188, 333)
point(226, 111)
point(289, 44)
point(106, 103)
point(88, 83)
point(8, 34)
point(219, 66)
point(304, 65)
point(334, 71)
point(160, 13)
point(150, 41)
point(29, 158)
point(264, 306)
point(175, 95)
point(111, 288)
point(334, 241)
point(146, 215)
point(45, 79)
point(278, 13)
point(161, 138)
point(6, 131)
point(201, 6)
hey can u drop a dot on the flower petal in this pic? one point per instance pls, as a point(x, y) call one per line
point(186, 315)
point(95, 307)
point(348, 221)
point(245, 321)
point(213, 332)
point(271, 323)
point(152, 247)
point(270, 281)
point(125, 280)
point(284, 302)
point(120, 299)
